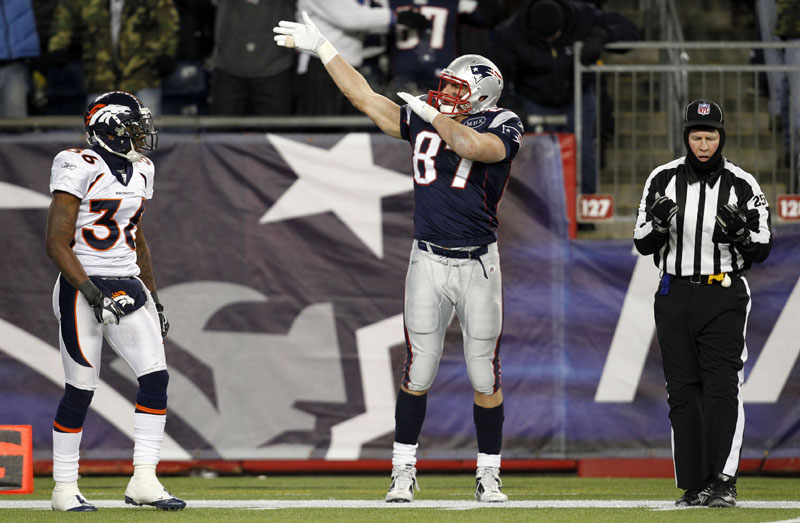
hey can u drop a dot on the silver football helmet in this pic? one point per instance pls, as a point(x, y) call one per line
point(479, 85)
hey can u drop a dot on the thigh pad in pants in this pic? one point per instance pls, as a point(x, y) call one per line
point(427, 313)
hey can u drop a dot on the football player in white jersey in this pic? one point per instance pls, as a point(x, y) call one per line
point(106, 290)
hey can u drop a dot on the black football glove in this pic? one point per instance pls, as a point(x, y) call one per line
point(593, 45)
point(106, 310)
point(163, 323)
point(733, 223)
point(413, 19)
point(663, 210)
point(162, 320)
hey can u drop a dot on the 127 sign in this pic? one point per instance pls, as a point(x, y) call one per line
point(595, 207)
point(789, 207)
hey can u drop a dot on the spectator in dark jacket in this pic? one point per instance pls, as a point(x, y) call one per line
point(251, 75)
point(19, 42)
point(534, 49)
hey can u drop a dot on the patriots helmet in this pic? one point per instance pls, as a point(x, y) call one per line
point(479, 84)
point(120, 124)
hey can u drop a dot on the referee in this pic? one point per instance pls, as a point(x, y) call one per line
point(705, 221)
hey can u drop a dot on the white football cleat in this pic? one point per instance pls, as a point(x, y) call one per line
point(150, 491)
point(68, 498)
point(404, 480)
point(488, 484)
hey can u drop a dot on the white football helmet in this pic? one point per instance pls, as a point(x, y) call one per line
point(479, 84)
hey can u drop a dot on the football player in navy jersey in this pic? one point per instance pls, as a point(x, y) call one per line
point(106, 289)
point(462, 148)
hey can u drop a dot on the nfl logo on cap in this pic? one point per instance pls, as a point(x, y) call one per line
point(704, 109)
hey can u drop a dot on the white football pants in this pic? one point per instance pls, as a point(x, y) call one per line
point(437, 287)
point(137, 339)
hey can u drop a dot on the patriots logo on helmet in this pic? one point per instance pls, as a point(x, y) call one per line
point(482, 71)
point(704, 109)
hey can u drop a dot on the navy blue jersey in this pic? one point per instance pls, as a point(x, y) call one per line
point(418, 57)
point(456, 199)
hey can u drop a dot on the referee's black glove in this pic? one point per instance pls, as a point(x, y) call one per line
point(663, 210)
point(733, 223)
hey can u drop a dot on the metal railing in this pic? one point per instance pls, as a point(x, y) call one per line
point(648, 100)
point(240, 123)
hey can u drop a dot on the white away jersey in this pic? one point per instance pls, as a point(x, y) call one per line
point(105, 231)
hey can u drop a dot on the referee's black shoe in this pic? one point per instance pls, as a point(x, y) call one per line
point(694, 498)
point(723, 494)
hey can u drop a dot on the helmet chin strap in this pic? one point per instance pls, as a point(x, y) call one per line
point(132, 155)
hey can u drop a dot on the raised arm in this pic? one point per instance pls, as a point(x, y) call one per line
point(305, 36)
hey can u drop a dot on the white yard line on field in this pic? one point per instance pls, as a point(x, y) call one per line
point(271, 504)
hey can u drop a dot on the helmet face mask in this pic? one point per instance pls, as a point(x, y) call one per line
point(478, 86)
point(451, 104)
point(117, 122)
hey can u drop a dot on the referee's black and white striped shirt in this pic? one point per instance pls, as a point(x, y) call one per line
point(695, 244)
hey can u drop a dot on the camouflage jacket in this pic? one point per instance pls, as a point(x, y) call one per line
point(787, 25)
point(148, 37)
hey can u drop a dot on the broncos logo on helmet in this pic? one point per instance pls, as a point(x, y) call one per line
point(108, 115)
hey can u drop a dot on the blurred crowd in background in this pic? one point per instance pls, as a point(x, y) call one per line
point(218, 56)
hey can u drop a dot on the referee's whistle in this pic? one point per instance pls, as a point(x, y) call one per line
point(722, 278)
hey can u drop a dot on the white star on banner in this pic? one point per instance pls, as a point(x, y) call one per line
point(342, 180)
point(16, 197)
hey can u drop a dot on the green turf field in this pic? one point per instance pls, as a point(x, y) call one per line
point(441, 498)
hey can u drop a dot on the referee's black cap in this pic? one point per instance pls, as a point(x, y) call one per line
point(703, 113)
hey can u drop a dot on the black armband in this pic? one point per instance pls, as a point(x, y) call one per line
point(93, 295)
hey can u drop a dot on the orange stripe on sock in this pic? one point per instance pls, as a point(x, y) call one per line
point(150, 411)
point(62, 428)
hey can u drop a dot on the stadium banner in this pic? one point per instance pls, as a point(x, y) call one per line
point(281, 260)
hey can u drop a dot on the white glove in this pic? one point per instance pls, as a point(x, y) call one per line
point(423, 110)
point(305, 37)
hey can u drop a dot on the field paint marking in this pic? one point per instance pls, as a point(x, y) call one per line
point(273, 504)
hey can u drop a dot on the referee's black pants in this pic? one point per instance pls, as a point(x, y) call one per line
point(701, 334)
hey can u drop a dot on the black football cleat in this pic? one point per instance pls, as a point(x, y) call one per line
point(723, 495)
point(694, 498)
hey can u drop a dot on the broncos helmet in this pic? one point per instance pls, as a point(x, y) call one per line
point(479, 84)
point(117, 122)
